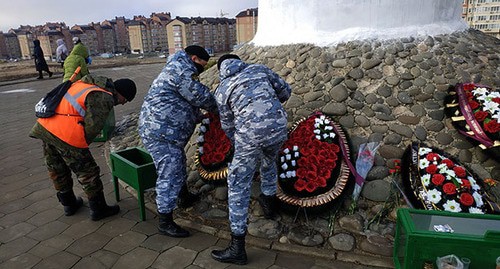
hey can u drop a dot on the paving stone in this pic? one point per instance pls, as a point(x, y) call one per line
point(89, 262)
point(60, 242)
point(15, 206)
point(137, 258)
point(82, 228)
point(22, 261)
point(45, 204)
point(88, 244)
point(199, 242)
point(126, 242)
point(107, 258)
point(160, 242)
point(116, 227)
point(61, 260)
point(43, 251)
point(176, 257)
point(47, 216)
point(205, 260)
point(146, 227)
point(16, 247)
point(48, 230)
point(12, 219)
point(16, 231)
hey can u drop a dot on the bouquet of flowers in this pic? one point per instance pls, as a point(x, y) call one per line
point(309, 161)
point(438, 182)
point(475, 112)
point(214, 149)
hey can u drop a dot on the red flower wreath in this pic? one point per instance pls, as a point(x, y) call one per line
point(309, 156)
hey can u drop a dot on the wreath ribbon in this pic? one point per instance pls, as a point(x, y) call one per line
point(359, 179)
point(468, 114)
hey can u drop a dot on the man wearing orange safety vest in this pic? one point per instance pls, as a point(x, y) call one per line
point(79, 118)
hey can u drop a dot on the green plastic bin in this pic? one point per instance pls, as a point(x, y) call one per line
point(416, 243)
point(135, 167)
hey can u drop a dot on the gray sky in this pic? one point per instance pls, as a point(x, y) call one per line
point(37, 12)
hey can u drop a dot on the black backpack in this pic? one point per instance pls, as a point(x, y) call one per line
point(46, 107)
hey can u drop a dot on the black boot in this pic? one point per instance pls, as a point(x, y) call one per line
point(50, 74)
point(269, 204)
point(99, 209)
point(40, 75)
point(186, 199)
point(70, 202)
point(234, 253)
point(169, 227)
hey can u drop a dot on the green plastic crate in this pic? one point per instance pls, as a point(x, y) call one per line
point(107, 130)
point(135, 167)
point(475, 236)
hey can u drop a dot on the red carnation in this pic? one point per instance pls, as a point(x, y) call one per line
point(496, 100)
point(466, 183)
point(481, 115)
point(433, 157)
point(449, 188)
point(473, 104)
point(431, 169)
point(300, 185)
point(449, 163)
point(311, 186)
point(468, 87)
point(459, 171)
point(469, 95)
point(492, 126)
point(466, 199)
point(301, 173)
point(437, 179)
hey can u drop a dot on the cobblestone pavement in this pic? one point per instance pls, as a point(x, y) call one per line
point(34, 233)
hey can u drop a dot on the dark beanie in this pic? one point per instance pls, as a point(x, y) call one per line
point(225, 57)
point(126, 88)
point(198, 51)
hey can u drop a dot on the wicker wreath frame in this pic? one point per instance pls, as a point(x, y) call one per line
point(331, 194)
point(211, 176)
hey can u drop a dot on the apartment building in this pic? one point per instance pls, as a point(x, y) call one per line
point(119, 26)
point(25, 39)
point(214, 34)
point(483, 15)
point(139, 38)
point(9, 46)
point(246, 25)
point(88, 37)
point(48, 42)
point(159, 34)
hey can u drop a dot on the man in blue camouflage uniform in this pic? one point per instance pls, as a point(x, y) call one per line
point(249, 99)
point(168, 118)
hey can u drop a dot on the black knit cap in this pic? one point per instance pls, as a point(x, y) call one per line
point(126, 88)
point(198, 51)
point(225, 57)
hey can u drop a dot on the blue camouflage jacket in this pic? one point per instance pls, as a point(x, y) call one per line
point(172, 106)
point(249, 99)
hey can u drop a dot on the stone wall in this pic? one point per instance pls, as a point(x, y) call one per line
point(391, 92)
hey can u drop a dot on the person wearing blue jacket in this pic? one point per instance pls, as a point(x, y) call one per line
point(167, 120)
point(249, 99)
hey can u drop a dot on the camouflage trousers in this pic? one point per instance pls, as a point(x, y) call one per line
point(61, 162)
point(239, 180)
point(170, 163)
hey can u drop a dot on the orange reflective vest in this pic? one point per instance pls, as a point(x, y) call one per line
point(68, 122)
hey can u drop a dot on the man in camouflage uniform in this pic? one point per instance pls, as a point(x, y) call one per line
point(249, 99)
point(79, 118)
point(168, 118)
